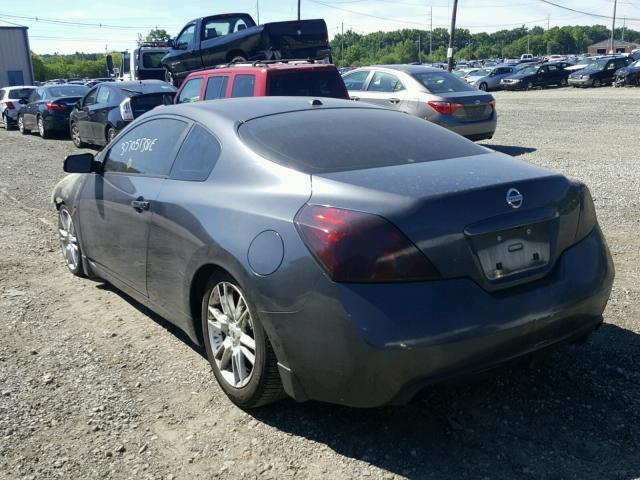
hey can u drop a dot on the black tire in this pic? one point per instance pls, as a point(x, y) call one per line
point(111, 134)
point(264, 385)
point(564, 82)
point(75, 268)
point(21, 128)
point(168, 77)
point(528, 86)
point(75, 136)
point(484, 87)
point(42, 130)
point(5, 121)
point(597, 83)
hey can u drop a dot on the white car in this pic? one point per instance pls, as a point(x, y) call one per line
point(557, 58)
point(11, 100)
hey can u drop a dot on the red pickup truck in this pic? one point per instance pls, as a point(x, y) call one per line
point(260, 79)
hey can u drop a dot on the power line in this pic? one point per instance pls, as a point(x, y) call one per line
point(582, 12)
point(78, 24)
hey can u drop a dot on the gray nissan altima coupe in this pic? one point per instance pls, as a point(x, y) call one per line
point(335, 251)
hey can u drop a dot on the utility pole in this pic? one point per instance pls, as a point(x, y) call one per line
point(528, 43)
point(613, 27)
point(258, 10)
point(420, 48)
point(431, 32)
point(298, 9)
point(548, 22)
point(342, 46)
point(624, 27)
point(452, 35)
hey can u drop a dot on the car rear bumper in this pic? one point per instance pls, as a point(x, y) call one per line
point(367, 345)
point(481, 130)
point(578, 82)
point(58, 121)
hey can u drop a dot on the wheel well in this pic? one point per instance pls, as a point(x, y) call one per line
point(198, 285)
point(235, 53)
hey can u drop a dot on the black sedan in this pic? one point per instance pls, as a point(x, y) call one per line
point(332, 250)
point(536, 76)
point(108, 107)
point(628, 76)
point(47, 109)
point(599, 73)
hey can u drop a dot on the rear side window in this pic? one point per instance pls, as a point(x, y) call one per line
point(20, 93)
point(243, 86)
point(104, 95)
point(216, 87)
point(191, 91)
point(2, 93)
point(197, 157)
point(317, 141)
point(147, 149)
point(384, 82)
point(152, 59)
point(321, 83)
point(355, 80)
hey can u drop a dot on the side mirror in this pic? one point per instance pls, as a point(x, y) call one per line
point(170, 43)
point(80, 163)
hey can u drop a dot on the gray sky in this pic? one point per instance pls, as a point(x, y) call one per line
point(123, 20)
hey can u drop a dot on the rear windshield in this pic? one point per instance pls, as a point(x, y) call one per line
point(143, 103)
point(340, 139)
point(437, 82)
point(21, 93)
point(152, 59)
point(324, 83)
point(148, 88)
point(68, 91)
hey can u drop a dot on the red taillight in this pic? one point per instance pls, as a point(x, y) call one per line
point(55, 106)
point(493, 104)
point(9, 104)
point(360, 247)
point(445, 108)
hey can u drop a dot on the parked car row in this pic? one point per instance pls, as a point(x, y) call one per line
point(593, 72)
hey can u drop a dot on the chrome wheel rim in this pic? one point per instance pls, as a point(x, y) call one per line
point(231, 334)
point(20, 124)
point(41, 127)
point(68, 240)
point(75, 135)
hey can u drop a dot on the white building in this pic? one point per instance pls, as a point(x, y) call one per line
point(15, 56)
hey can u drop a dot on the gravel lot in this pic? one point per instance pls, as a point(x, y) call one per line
point(93, 385)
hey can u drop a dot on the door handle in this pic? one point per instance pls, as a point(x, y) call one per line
point(140, 204)
point(394, 100)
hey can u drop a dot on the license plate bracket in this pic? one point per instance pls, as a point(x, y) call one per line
point(508, 252)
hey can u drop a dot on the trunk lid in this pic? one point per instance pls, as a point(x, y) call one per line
point(456, 212)
point(477, 105)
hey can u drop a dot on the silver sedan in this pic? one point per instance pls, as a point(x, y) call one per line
point(428, 93)
point(487, 79)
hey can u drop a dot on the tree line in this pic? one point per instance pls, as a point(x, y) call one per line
point(411, 45)
point(76, 65)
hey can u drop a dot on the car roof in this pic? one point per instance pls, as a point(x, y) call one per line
point(263, 67)
point(138, 85)
point(410, 69)
point(240, 110)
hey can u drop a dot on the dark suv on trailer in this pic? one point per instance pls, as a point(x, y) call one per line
point(535, 76)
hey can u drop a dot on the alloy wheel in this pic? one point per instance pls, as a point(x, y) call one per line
point(21, 124)
point(68, 240)
point(75, 136)
point(231, 334)
point(41, 130)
